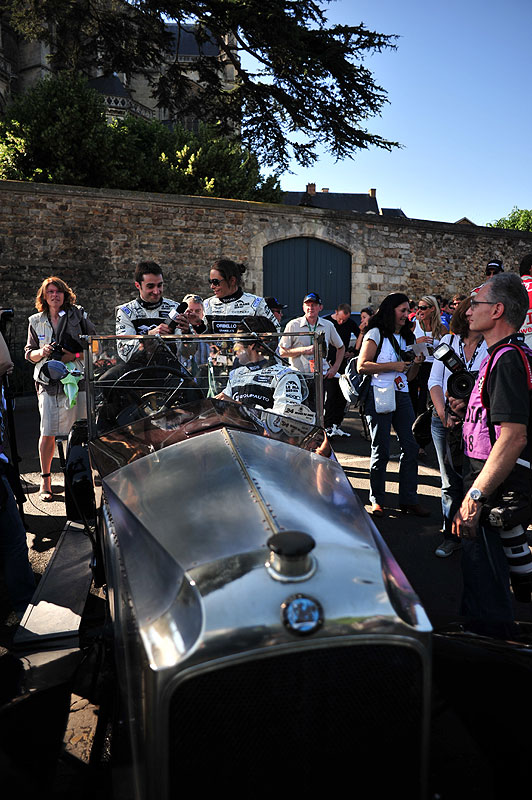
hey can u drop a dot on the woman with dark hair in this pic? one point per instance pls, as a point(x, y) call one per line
point(230, 303)
point(53, 333)
point(386, 354)
point(471, 349)
point(365, 315)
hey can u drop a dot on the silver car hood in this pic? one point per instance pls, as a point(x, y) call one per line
point(227, 491)
point(189, 526)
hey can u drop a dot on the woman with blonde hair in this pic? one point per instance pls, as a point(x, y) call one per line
point(53, 334)
point(428, 330)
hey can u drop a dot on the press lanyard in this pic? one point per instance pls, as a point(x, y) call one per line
point(473, 357)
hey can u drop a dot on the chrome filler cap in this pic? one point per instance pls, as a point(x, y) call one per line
point(290, 556)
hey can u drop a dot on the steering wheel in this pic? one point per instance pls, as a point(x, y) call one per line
point(148, 389)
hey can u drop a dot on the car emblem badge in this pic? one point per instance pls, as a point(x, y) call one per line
point(302, 614)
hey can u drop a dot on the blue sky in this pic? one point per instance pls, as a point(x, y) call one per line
point(459, 92)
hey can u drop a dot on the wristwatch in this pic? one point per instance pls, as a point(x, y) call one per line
point(476, 495)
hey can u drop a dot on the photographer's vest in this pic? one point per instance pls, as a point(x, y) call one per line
point(44, 331)
point(478, 432)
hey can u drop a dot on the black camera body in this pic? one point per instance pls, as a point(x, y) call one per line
point(461, 381)
point(513, 509)
point(57, 352)
point(408, 356)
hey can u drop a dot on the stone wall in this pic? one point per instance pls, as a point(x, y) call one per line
point(94, 238)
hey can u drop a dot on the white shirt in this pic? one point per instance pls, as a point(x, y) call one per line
point(419, 332)
point(439, 374)
point(388, 353)
point(300, 325)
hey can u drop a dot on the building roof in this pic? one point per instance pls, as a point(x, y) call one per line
point(109, 84)
point(360, 203)
point(188, 44)
point(393, 212)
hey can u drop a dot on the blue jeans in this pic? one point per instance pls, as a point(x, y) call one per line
point(452, 488)
point(14, 551)
point(380, 428)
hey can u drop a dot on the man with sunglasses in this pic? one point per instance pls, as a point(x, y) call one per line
point(497, 435)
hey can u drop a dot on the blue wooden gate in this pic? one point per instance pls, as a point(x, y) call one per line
point(294, 267)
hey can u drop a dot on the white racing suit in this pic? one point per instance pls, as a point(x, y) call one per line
point(270, 386)
point(137, 318)
point(223, 315)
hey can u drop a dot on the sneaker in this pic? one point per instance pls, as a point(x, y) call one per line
point(340, 432)
point(447, 548)
point(333, 431)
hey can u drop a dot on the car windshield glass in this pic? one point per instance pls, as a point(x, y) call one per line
point(130, 379)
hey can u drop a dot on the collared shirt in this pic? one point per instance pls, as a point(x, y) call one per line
point(301, 325)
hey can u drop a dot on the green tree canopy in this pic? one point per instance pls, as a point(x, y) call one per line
point(57, 132)
point(301, 83)
point(518, 220)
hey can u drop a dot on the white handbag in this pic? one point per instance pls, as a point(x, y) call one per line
point(384, 398)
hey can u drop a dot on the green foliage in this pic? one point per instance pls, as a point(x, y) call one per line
point(517, 220)
point(57, 133)
point(303, 83)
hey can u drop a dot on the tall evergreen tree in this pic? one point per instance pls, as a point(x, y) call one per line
point(301, 83)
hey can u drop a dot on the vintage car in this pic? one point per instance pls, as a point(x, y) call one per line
point(259, 631)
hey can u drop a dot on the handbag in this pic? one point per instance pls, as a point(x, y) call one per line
point(354, 386)
point(384, 398)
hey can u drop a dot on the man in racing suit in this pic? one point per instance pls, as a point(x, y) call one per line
point(148, 313)
point(497, 443)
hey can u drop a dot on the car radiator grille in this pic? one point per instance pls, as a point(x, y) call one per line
point(305, 720)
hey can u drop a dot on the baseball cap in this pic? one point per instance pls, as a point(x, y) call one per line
point(273, 304)
point(494, 264)
point(314, 297)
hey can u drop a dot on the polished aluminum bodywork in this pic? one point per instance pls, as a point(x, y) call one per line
point(189, 502)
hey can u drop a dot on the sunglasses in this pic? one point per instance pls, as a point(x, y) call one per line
point(423, 308)
point(215, 281)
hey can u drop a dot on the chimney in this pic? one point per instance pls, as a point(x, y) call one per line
point(325, 189)
point(373, 193)
point(311, 188)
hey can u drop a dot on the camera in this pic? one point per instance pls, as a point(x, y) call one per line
point(57, 352)
point(408, 356)
point(461, 382)
point(513, 509)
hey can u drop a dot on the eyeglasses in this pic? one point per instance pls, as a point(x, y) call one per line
point(423, 308)
point(475, 303)
point(215, 281)
point(194, 297)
